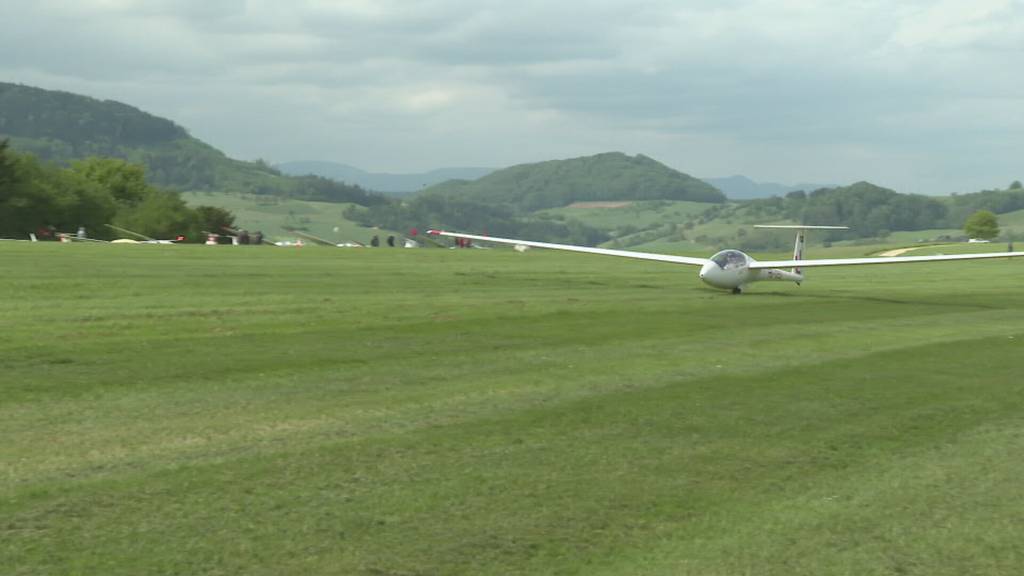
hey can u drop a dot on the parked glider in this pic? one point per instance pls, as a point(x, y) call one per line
point(145, 239)
point(734, 270)
point(324, 241)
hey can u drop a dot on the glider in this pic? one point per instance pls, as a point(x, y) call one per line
point(732, 269)
point(144, 239)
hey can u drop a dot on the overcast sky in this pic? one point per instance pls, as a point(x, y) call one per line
point(919, 96)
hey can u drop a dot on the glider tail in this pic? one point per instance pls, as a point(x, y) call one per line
point(798, 246)
point(798, 249)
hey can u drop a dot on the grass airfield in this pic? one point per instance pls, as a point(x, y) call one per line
point(249, 410)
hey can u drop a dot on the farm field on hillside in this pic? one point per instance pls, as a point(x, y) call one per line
point(1012, 221)
point(274, 216)
point(638, 214)
point(218, 410)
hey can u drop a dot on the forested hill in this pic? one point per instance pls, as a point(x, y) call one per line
point(61, 127)
point(83, 126)
point(611, 176)
point(507, 202)
point(869, 210)
point(873, 212)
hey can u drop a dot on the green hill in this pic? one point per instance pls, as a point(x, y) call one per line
point(612, 176)
point(517, 201)
point(61, 127)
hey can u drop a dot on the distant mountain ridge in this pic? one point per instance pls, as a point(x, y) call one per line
point(740, 187)
point(381, 181)
point(62, 127)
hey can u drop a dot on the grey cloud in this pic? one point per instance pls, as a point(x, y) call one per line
point(199, 10)
point(865, 87)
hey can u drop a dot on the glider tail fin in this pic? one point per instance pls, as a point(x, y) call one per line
point(801, 233)
point(798, 249)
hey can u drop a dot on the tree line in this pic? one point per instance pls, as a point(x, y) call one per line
point(44, 199)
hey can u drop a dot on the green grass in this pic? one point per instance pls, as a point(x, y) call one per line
point(274, 216)
point(911, 237)
point(196, 410)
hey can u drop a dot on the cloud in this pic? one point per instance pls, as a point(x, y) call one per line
point(953, 24)
point(139, 9)
point(918, 94)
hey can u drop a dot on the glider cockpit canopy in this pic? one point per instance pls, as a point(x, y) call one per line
point(730, 259)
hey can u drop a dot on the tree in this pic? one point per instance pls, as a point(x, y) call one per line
point(214, 219)
point(35, 196)
point(7, 167)
point(125, 182)
point(1016, 185)
point(982, 224)
point(160, 214)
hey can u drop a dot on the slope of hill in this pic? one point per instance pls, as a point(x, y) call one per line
point(277, 217)
point(555, 183)
point(381, 181)
point(61, 127)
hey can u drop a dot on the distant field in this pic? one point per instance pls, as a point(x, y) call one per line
point(1013, 222)
point(579, 205)
point(217, 410)
point(919, 236)
point(614, 215)
point(273, 215)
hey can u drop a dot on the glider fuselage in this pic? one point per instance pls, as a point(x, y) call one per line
point(730, 270)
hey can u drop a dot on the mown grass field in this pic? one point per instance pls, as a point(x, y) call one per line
point(218, 410)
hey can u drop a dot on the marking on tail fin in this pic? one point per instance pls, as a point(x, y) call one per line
point(798, 250)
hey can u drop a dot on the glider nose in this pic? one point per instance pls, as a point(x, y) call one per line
point(705, 271)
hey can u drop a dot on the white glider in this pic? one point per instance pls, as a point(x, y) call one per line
point(144, 239)
point(734, 270)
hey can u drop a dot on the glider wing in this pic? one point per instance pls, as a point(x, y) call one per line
point(878, 260)
point(586, 249)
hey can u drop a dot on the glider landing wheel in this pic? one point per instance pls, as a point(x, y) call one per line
point(737, 290)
